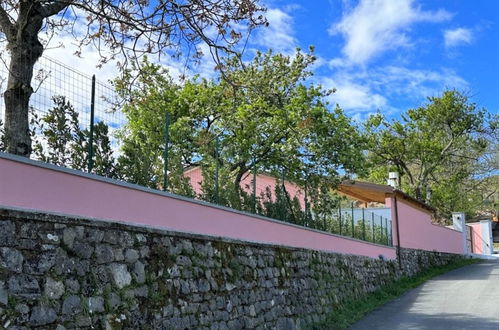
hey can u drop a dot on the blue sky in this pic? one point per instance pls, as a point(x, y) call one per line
point(385, 55)
point(388, 55)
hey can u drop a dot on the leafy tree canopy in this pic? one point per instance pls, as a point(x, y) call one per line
point(265, 115)
point(438, 149)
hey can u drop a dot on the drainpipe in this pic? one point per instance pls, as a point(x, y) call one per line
point(398, 231)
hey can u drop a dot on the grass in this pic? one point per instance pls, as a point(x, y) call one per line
point(350, 312)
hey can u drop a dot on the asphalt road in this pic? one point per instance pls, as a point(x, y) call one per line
point(465, 298)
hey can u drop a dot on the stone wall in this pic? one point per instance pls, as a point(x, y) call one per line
point(414, 261)
point(65, 273)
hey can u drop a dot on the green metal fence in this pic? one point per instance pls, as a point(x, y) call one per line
point(93, 130)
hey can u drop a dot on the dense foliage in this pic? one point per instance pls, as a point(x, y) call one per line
point(443, 150)
point(266, 116)
point(59, 139)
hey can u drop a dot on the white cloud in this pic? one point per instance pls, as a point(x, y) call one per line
point(413, 83)
point(338, 62)
point(86, 63)
point(457, 37)
point(364, 91)
point(354, 96)
point(279, 35)
point(375, 26)
point(90, 58)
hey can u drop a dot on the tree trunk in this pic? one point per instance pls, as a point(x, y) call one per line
point(24, 51)
point(237, 185)
point(418, 193)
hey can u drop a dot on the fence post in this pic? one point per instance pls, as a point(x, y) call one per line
point(254, 184)
point(353, 226)
point(306, 204)
point(166, 151)
point(283, 195)
point(391, 233)
point(381, 230)
point(339, 214)
point(372, 222)
point(363, 224)
point(91, 137)
point(217, 169)
point(324, 222)
point(386, 231)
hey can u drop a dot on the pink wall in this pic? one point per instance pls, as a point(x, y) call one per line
point(418, 232)
point(29, 184)
point(262, 182)
point(476, 237)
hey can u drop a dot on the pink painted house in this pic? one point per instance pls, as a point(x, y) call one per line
point(412, 225)
point(263, 182)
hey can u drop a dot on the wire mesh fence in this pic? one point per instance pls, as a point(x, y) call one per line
point(53, 79)
point(60, 111)
point(75, 122)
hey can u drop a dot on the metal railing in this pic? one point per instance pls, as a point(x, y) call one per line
point(93, 138)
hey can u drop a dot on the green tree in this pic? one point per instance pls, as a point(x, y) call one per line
point(175, 27)
point(59, 139)
point(435, 148)
point(142, 139)
point(279, 121)
point(104, 162)
point(61, 131)
point(264, 114)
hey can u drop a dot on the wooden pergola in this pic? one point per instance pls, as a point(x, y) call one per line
point(372, 192)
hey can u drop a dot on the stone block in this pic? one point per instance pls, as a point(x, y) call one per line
point(131, 256)
point(113, 300)
point(72, 285)
point(83, 250)
point(96, 304)
point(104, 254)
point(118, 254)
point(42, 315)
point(93, 235)
point(120, 275)
point(24, 285)
point(40, 263)
point(4, 296)
point(53, 289)
point(71, 306)
point(139, 273)
point(11, 259)
point(7, 233)
point(68, 236)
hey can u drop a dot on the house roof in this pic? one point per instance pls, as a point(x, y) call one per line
point(372, 192)
point(190, 169)
point(364, 191)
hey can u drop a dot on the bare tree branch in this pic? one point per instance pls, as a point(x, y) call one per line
point(123, 29)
